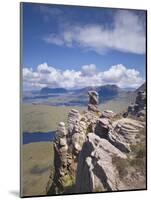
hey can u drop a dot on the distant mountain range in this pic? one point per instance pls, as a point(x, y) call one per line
point(105, 91)
point(47, 90)
point(79, 96)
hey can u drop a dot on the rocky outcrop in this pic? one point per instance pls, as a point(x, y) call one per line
point(108, 114)
point(60, 159)
point(93, 101)
point(76, 131)
point(96, 171)
point(61, 149)
point(86, 149)
point(104, 129)
point(141, 100)
point(78, 137)
point(137, 109)
point(73, 119)
point(127, 130)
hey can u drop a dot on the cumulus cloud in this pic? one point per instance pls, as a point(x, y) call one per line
point(89, 70)
point(89, 75)
point(126, 34)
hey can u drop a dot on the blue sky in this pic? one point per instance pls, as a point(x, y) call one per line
point(68, 46)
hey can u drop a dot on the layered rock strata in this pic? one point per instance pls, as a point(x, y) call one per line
point(84, 152)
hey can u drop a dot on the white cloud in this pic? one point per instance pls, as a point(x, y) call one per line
point(126, 35)
point(89, 70)
point(123, 77)
point(89, 75)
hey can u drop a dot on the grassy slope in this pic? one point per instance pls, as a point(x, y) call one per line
point(36, 167)
point(43, 118)
point(114, 105)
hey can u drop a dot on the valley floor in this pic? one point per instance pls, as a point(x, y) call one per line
point(36, 166)
point(45, 118)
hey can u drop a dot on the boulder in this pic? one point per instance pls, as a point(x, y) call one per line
point(93, 101)
point(137, 109)
point(104, 129)
point(127, 129)
point(93, 97)
point(93, 108)
point(61, 131)
point(108, 114)
point(73, 119)
point(95, 171)
point(141, 99)
point(78, 137)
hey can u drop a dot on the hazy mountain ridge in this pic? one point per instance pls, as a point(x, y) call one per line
point(47, 90)
point(73, 97)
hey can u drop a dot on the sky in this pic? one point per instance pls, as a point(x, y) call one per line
point(75, 47)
